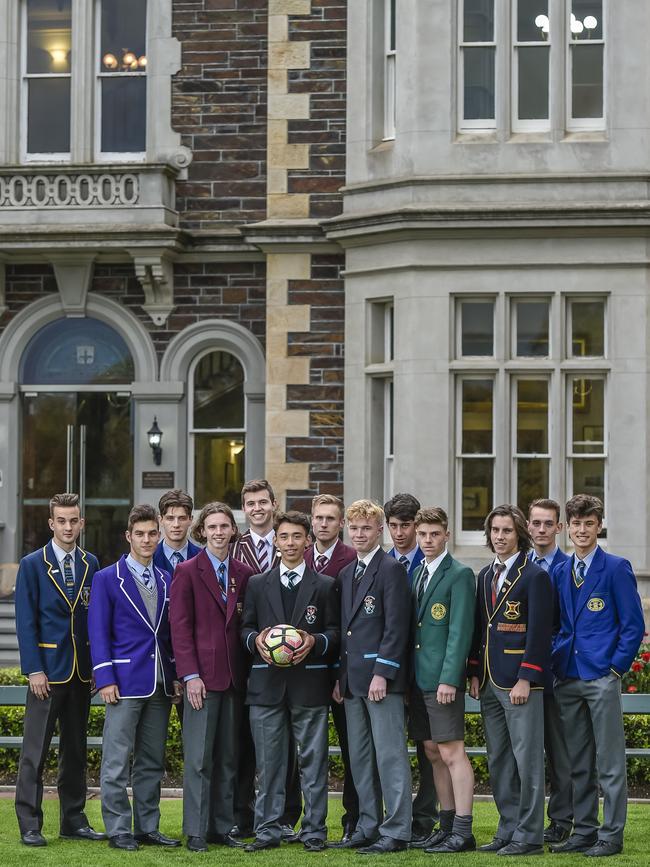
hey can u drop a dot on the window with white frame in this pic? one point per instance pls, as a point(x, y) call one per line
point(380, 355)
point(47, 77)
point(477, 64)
point(122, 83)
point(531, 65)
point(554, 442)
point(54, 71)
point(586, 63)
point(217, 428)
point(390, 67)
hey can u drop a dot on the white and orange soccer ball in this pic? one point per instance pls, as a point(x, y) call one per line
point(282, 643)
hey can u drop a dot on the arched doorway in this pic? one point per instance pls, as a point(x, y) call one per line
point(75, 379)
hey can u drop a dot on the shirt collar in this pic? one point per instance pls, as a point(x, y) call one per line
point(216, 562)
point(138, 568)
point(409, 554)
point(269, 539)
point(299, 570)
point(587, 560)
point(368, 557)
point(60, 554)
point(169, 552)
point(547, 558)
point(434, 564)
point(508, 563)
point(328, 554)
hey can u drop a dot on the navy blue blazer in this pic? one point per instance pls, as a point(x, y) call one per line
point(418, 557)
point(604, 628)
point(163, 563)
point(124, 643)
point(512, 641)
point(375, 626)
point(52, 631)
point(559, 558)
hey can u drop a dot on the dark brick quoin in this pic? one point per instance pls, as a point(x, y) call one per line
point(325, 81)
point(219, 105)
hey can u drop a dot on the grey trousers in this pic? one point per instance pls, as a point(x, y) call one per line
point(593, 722)
point(138, 727)
point(558, 765)
point(377, 738)
point(270, 729)
point(210, 764)
point(514, 735)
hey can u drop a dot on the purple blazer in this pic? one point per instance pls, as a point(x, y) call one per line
point(124, 643)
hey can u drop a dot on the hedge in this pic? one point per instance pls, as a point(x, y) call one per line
point(637, 734)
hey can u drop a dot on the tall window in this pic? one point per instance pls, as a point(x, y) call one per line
point(218, 428)
point(586, 92)
point(380, 357)
point(390, 71)
point(531, 59)
point(47, 69)
point(477, 64)
point(122, 57)
point(530, 401)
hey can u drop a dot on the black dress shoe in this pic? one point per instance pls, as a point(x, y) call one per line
point(493, 845)
point(435, 838)
point(555, 834)
point(454, 843)
point(314, 844)
point(603, 848)
point(123, 841)
point(515, 848)
point(155, 838)
point(383, 846)
point(356, 841)
point(236, 831)
point(225, 840)
point(575, 843)
point(258, 845)
point(196, 844)
point(289, 835)
point(33, 838)
point(85, 833)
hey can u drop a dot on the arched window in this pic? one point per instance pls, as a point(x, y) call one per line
point(217, 426)
point(76, 351)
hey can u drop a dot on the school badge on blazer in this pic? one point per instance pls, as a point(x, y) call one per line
point(85, 596)
point(310, 614)
point(438, 611)
point(512, 610)
point(596, 604)
point(369, 604)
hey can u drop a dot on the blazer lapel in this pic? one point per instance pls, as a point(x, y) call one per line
point(513, 576)
point(359, 592)
point(435, 579)
point(305, 590)
point(54, 570)
point(233, 586)
point(274, 594)
point(592, 580)
point(162, 594)
point(209, 578)
point(80, 571)
point(128, 587)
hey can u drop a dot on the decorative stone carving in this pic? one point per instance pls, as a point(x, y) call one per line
point(155, 271)
point(69, 190)
point(73, 274)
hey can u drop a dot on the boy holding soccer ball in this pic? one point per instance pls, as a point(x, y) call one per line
point(290, 697)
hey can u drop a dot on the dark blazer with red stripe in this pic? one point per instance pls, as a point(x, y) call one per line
point(341, 556)
point(205, 629)
point(245, 551)
point(513, 641)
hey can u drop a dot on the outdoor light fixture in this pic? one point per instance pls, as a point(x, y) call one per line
point(154, 435)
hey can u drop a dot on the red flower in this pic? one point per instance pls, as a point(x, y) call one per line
point(646, 656)
point(632, 689)
point(637, 666)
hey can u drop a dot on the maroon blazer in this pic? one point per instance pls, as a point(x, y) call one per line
point(205, 629)
point(341, 556)
point(245, 551)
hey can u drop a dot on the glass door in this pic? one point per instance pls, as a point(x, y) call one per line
point(81, 442)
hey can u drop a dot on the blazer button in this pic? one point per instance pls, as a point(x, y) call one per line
point(489, 626)
point(419, 624)
point(417, 646)
point(153, 655)
point(349, 633)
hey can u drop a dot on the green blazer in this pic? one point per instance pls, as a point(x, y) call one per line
point(444, 625)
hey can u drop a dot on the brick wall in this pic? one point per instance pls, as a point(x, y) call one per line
point(219, 107)
point(323, 397)
point(325, 81)
point(25, 284)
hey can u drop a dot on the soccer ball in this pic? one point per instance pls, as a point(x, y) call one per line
point(282, 642)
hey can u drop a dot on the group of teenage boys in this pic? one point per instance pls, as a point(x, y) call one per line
point(390, 640)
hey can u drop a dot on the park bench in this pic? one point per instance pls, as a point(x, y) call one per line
point(14, 696)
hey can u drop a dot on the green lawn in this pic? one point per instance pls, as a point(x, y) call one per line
point(72, 854)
